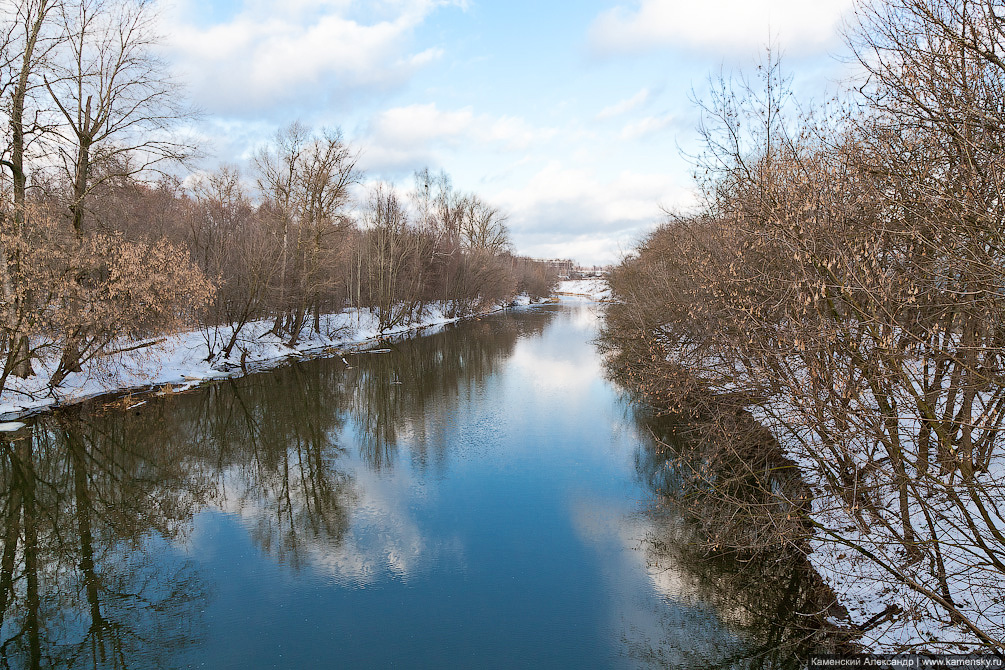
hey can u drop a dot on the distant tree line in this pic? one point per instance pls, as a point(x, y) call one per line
point(843, 282)
point(96, 251)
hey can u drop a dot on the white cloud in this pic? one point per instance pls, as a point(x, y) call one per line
point(259, 58)
point(411, 135)
point(631, 196)
point(513, 132)
point(645, 126)
point(415, 126)
point(624, 106)
point(719, 25)
point(571, 212)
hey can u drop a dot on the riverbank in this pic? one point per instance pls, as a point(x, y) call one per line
point(884, 599)
point(592, 289)
point(181, 361)
point(911, 546)
point(892, 598)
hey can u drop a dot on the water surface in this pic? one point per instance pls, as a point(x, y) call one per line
point(480, 497)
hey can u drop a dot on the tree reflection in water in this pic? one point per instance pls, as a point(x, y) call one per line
point(414, 393)
point(268, 443)
point(85, 577)
point(94, 497)
point(98, 503)
point(720, 535)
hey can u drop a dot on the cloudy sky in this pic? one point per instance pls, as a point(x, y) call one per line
point(569, 116)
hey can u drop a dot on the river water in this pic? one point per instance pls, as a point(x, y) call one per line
point(479, 497)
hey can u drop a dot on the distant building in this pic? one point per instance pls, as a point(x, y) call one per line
point(562, 266)
point(591, 272)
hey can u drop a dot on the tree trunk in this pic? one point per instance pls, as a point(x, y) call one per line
point(69, 361)
point(80, 178)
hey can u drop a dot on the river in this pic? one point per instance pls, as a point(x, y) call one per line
point(479, 497)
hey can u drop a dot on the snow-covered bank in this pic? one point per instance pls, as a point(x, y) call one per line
point(177, 362)
point(945, 598)
point(893, 597)
point(592, 289)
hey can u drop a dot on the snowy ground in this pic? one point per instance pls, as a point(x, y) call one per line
point(181, 361)
point(592, 289)
point(867, 590)
point(956, 541)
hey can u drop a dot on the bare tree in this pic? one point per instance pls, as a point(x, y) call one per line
point(119, 105)
point(119, 109)
point(483, 226)
point(307, 181)
point(28, 39)
point(843, 282)
point(469, 237)
point(393, 257)
point(232, 247)
point(24, 57)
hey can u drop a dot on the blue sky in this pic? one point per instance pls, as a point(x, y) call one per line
point(570, 117)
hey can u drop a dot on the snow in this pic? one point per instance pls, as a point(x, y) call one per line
point(522, 299)
point(592, 289)
point(866, 590)
point(183, 360)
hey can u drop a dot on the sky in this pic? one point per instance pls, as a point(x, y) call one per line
point(575, 119)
